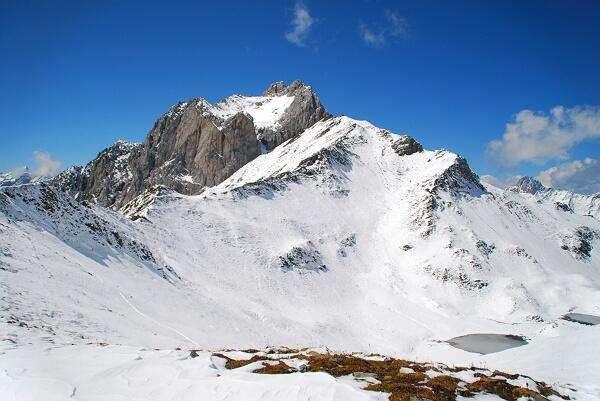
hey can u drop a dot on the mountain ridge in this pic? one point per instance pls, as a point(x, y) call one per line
point(568, 201)
point(195, 144)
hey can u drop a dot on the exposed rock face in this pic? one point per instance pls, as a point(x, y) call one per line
point(304, 258)
point(195, 145)
point(406, 145)
point(580, 242)
point(529, 185)
point(305, 110)
point(459, 178)
point(191, 148)
point(106, 179)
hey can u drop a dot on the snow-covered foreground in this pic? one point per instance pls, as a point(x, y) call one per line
point(125, 373)
point(348, 237)
point(106, 372)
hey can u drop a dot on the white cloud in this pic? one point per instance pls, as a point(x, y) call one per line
point(582, 176)
point(394, 27)
point(301, 25)
point(371, 38)
point(540, 137)
point(45, 165)
point(397, 24)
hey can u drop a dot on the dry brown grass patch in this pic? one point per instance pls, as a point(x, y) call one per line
point(275, 369)
point(503, 389)
point(403, 385)
point(238, 363)
point(444, 383)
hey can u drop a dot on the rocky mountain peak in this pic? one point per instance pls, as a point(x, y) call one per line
point(304, 111)
point(279, 88)
point(275, 89)
point(196, 144)
point(529, 185)
point(406, 145)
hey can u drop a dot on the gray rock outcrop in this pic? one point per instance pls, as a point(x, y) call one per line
point(529, 185)
point(305, 110)
point(192, 146)
point(406, 145)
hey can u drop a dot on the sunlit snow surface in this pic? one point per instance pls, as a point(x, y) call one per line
point(98, 372)
point(266, 111)
point(399, 277)
point(125, 373)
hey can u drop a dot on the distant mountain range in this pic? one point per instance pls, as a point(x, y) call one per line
point(19, 177)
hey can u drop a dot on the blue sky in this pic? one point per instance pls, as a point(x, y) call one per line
point(76, 77)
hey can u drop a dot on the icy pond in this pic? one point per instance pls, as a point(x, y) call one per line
point(582, 318)
point(486, 343)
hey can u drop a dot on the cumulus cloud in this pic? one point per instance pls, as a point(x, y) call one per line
point(301, 25)
point(45, 165)
point(582, 176)
point(540, 137)
point(395, 26)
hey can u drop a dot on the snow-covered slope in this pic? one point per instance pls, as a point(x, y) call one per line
point(347, 236)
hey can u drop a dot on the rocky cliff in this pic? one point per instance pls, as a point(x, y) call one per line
point(196, 144)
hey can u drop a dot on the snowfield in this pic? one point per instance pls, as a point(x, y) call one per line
point(97, 372)
point(266, 111)
point(347, 237)
point(125, 373)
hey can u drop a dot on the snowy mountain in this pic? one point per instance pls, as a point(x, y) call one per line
point(343, 235)
point(565, 200)
point(19, 177)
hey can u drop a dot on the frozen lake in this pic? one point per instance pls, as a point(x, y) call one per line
point(486, 343)
point(582, 318)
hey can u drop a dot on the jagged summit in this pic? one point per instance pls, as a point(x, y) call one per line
point(567, 201)
point(280, 88)
point(196, 144)
point(266, 109)
point(529, 185)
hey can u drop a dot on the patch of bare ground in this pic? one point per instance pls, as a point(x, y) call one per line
point(276, 368)
point(238, 363)
point(403, 380)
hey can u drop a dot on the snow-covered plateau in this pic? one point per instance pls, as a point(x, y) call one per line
point(346, 237)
